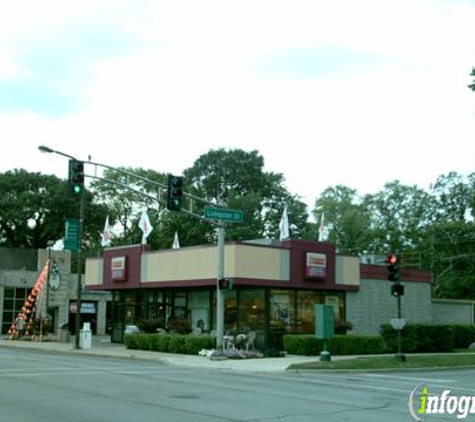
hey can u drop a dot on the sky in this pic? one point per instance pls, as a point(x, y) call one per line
point(358, 93)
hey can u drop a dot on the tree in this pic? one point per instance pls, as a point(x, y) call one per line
point(399, 216)
point(347, 220)
point(33, 208)
point(454, 196)
point(237, 179)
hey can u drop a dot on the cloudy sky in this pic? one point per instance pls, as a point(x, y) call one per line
point(348, 92)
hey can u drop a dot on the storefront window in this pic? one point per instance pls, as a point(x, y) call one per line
point(282, 311)
point(336, 300)
point(306, 301)
point(251, 310)
point(199, 306)
point(14, 299)
point(230, 312)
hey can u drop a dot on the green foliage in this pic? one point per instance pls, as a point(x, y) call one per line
point(421, 338)
point(176, 343)
point(33, 208)
point(171, 343)
point(131, 341)
point(309, 345)
point(195, 343)
point(355, 345)
point(161, 342)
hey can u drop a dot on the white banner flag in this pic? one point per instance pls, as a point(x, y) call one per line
point(145, 226)
point(106, 235)
point(176, 242)
point(284, 225)
point(320, 229)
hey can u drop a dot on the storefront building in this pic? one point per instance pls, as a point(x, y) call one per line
point(19, 271)
point(274, 288)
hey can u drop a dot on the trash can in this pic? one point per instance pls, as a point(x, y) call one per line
point(64, 334)
point(85, 336)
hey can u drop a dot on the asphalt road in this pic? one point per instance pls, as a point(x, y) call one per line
point(37, 387)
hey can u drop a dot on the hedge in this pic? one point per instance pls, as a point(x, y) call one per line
point(309, 345)
point(422, 338)
point(171, 343)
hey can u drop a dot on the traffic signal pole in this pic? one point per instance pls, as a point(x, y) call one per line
point(161, 187)
point(77, 327)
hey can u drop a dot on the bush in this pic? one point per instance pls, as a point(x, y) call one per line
point(130, 341)
point(309, 345)
point(195, 343)
point(161, 342)
point(176, 343)
point(422, 338)
point(304, 344)
point(464, 335)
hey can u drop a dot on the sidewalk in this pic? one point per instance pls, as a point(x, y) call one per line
point(101, 346)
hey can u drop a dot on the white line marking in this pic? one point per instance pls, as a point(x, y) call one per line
point(399, 377)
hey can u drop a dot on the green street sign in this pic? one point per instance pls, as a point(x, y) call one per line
point(71, 234)
point(232, 216)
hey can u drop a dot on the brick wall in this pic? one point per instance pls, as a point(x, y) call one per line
point(373, 305)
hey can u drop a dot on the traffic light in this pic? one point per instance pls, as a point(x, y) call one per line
point(393, 268)
point(174, 193)
point(225, 284)
point(397, 290)
point(76, 177)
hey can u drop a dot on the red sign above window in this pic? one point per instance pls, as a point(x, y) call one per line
point(118, 268)
point(316, 265)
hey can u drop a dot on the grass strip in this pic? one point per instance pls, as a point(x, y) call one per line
point(390, 362)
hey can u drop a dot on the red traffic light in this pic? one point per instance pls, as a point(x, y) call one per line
point(392, 259)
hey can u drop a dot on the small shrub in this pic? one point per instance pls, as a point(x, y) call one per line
point(176, 343)
point(130, 341)
point(309, 345)
point(161, 342)
point(195, 343)
point(422, 338)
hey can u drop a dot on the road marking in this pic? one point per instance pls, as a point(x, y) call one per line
point(399, 377)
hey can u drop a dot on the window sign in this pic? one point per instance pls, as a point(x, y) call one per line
point(316, 265)
point(86, 307)
point(118, 268)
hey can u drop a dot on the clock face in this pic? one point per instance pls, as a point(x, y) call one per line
point(54, 277)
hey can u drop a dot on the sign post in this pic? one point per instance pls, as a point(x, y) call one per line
point(222, 215)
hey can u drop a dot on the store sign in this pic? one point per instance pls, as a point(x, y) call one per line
point(86, 307)
point(316, 265)
point(118, 268)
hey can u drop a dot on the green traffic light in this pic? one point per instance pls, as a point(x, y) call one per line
point(77, 189)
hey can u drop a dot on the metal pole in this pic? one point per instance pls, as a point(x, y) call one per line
point(219, 293)
point(48, 280)
point(79, 286)
point(399, 356)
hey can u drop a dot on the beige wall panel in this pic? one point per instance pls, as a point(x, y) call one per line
point(94, 272)
point(347, 270)
point(191, 264)
point(241, 261)
point(261, 263)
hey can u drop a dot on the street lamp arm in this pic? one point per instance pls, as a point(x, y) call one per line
point(44, 148)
